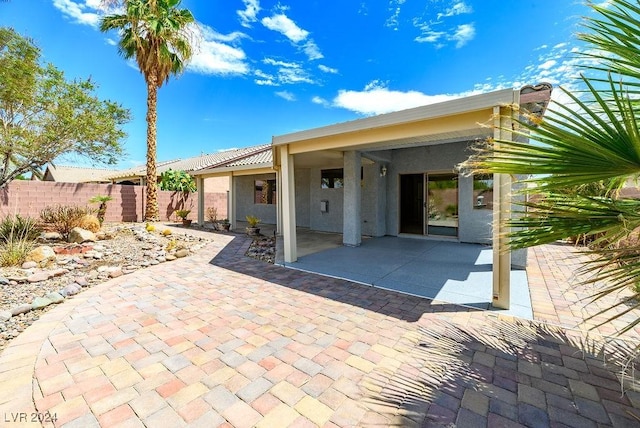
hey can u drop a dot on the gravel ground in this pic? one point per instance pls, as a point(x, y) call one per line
point(129, 248)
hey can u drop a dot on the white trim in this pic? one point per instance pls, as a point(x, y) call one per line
point(447, 108)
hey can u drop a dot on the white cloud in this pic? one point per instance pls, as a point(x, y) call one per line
point(547, 64)
point(376, 98)
point(458, 8)
point(213, 55)
point(287, 72)
point(264, 79)
point(282, 24)
point(395, 6)
point(321, 101)
point(83, 12)
point(286, 95)
point(250, 13)
point(463, 34)
point(311, 49)
point(328, 69)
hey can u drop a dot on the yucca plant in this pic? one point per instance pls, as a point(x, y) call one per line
point(594, 139)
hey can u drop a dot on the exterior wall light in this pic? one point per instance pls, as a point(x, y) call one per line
point(383, 171)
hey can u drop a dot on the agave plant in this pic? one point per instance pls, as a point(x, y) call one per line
point(595, 138)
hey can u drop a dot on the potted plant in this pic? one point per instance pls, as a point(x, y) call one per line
point(223, 225)
point(252, 229)
point(183, 215)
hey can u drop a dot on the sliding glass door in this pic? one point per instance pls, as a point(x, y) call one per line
point(429, 204)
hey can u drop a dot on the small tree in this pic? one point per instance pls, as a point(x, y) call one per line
point(44, 116)
point(102, 209)
point(177, 181)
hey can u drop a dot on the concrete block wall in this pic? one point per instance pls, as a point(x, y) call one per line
point(29, 198)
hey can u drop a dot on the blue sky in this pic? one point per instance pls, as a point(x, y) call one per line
point(264, 68)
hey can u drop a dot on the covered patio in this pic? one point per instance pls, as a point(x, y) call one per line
point(445, 271)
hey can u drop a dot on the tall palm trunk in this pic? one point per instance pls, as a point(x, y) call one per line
point(151, 212)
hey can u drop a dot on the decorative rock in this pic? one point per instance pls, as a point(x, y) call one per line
point(29, 265)
point(81, 281)
point(51, 236)
point(41, 253)
point(70, 290)
point(54, 297)
point(115, 273)
point(20, 309)
point(3, 280)
point(40, 302)
point(182, 253)
point(170, 257)
point(5, 316)
point(79, 235)
point(38, 277)
point(59, 272)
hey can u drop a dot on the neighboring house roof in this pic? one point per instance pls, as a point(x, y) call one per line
point(75, 174)
point(195, 163)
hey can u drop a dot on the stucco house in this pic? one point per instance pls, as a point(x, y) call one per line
point(392, 174)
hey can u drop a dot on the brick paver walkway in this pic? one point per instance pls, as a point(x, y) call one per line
point(221, 340)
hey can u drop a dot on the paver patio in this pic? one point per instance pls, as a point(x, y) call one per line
point(222, 340)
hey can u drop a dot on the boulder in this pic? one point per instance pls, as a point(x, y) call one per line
point(40, 254)
point(182, 253)
point(79, 235)
point(17, 310)
point(5, 316)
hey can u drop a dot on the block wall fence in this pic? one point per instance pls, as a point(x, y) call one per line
point(28, 198)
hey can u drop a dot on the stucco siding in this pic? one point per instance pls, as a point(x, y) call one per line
point(331, 221)
point(245, 199)
point(473, 226)
point(303, 201)
point(373, 201)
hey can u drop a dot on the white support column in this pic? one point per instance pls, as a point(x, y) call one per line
point(288, 205)
point(501, 212)
point(352, 219)
point(231, 202)
point(279, 201)
point(200, 187)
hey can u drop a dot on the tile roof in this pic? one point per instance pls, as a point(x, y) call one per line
point(211, 160)
point(75, 174)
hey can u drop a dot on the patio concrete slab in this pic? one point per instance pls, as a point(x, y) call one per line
point(441, 270)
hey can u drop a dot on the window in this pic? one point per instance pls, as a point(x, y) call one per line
point(483, 191)
point(332, 178)
point(265, 192)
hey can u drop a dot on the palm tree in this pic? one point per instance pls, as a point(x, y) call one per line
point(155, 33)
point(595, 138)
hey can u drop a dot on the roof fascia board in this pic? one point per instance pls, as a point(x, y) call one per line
point(224, 171)
point(433, 111)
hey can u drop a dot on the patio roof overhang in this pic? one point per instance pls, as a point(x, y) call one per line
point(456, 120)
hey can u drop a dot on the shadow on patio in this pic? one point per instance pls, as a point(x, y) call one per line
point(401, 306)
point(500, 372)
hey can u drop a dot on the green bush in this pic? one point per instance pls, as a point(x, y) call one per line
point(63, 218)
point(14, 252)
point(17, 236)
point(14, 228)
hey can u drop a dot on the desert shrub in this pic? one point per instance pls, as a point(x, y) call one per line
point(14, 252)
point(17, 236)
point(17, 227)
point(90, 222)
point(166, 232)
point(63, 218)
point(212, 214)
point(150, 227)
